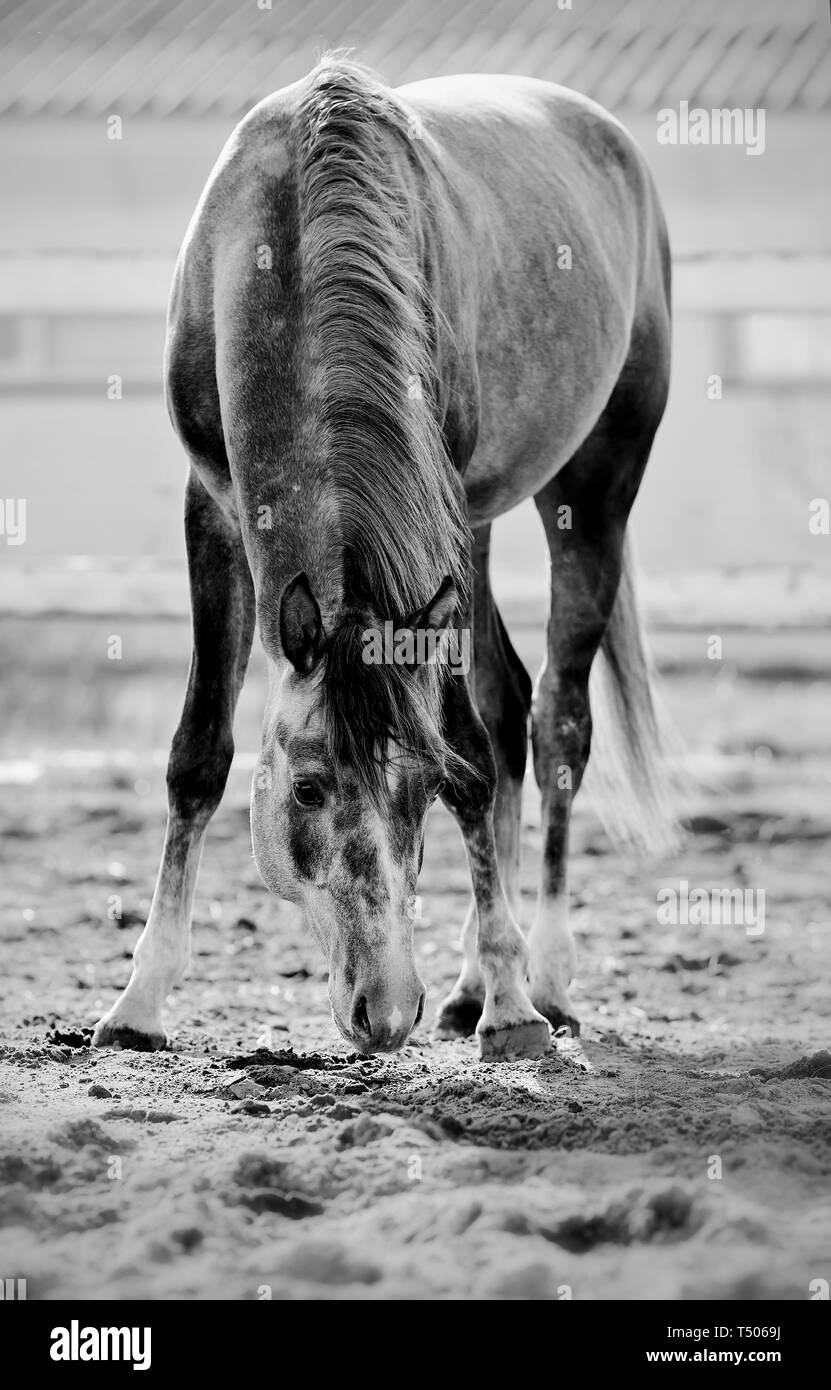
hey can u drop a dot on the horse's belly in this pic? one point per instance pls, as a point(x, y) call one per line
point(493, 488)
point(534, 414)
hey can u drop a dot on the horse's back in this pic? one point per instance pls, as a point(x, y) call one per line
point(562, 246)
point(532, 145)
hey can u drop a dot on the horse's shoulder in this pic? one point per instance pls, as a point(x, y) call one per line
point(252, 164)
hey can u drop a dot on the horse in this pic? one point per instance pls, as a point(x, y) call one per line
point(396, 314)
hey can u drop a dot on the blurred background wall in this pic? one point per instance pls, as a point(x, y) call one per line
point(91, 224)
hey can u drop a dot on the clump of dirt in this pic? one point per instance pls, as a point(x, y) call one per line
point(32, 1172)
point(270, 1184)
point(70, 1037)
point(327, 1262)
point(77, 1134)
point(670, 1213)
point(815, 1067)
point(263, 1058)
point(288, 1204)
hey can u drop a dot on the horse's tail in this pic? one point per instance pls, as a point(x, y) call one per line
point(628, 777)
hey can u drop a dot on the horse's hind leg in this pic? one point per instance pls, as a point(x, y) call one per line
point(584, 510)
point(222, 600)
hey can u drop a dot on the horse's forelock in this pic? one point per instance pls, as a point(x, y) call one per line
point(375, 709)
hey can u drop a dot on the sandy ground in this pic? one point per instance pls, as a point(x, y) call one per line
point(679, 1149)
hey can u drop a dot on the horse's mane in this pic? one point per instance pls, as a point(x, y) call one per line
point(367, 324)
point(368, 321)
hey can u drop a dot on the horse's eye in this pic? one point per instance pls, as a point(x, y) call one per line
point(307, 794)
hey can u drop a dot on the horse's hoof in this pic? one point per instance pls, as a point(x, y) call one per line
point(529, 1037)
point(111, 1033)
point(558, 1018)
point(458, 1016)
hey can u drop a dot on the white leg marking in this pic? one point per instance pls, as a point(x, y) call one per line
point(552, 956)
point(162, 952)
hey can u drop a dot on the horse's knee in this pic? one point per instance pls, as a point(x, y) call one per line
point(503, 698)
point(504, 710)
point(561, 730)
point(470, 789)
point(196, 773)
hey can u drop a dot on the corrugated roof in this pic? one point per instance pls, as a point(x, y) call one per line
point(217, 57)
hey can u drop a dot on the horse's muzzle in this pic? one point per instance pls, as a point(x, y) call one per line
point(381, 1021)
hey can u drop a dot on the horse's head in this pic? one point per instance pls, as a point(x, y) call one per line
point(352, 759)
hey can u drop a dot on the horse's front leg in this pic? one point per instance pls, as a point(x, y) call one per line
point(510, 1026)
point(502, 691)
point(222, 600)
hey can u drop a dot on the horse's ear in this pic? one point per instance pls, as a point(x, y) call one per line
point(301, 626)
point(439, 612)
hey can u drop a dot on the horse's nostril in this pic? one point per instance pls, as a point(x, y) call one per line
point(420, 1012)
point(360, 1018)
